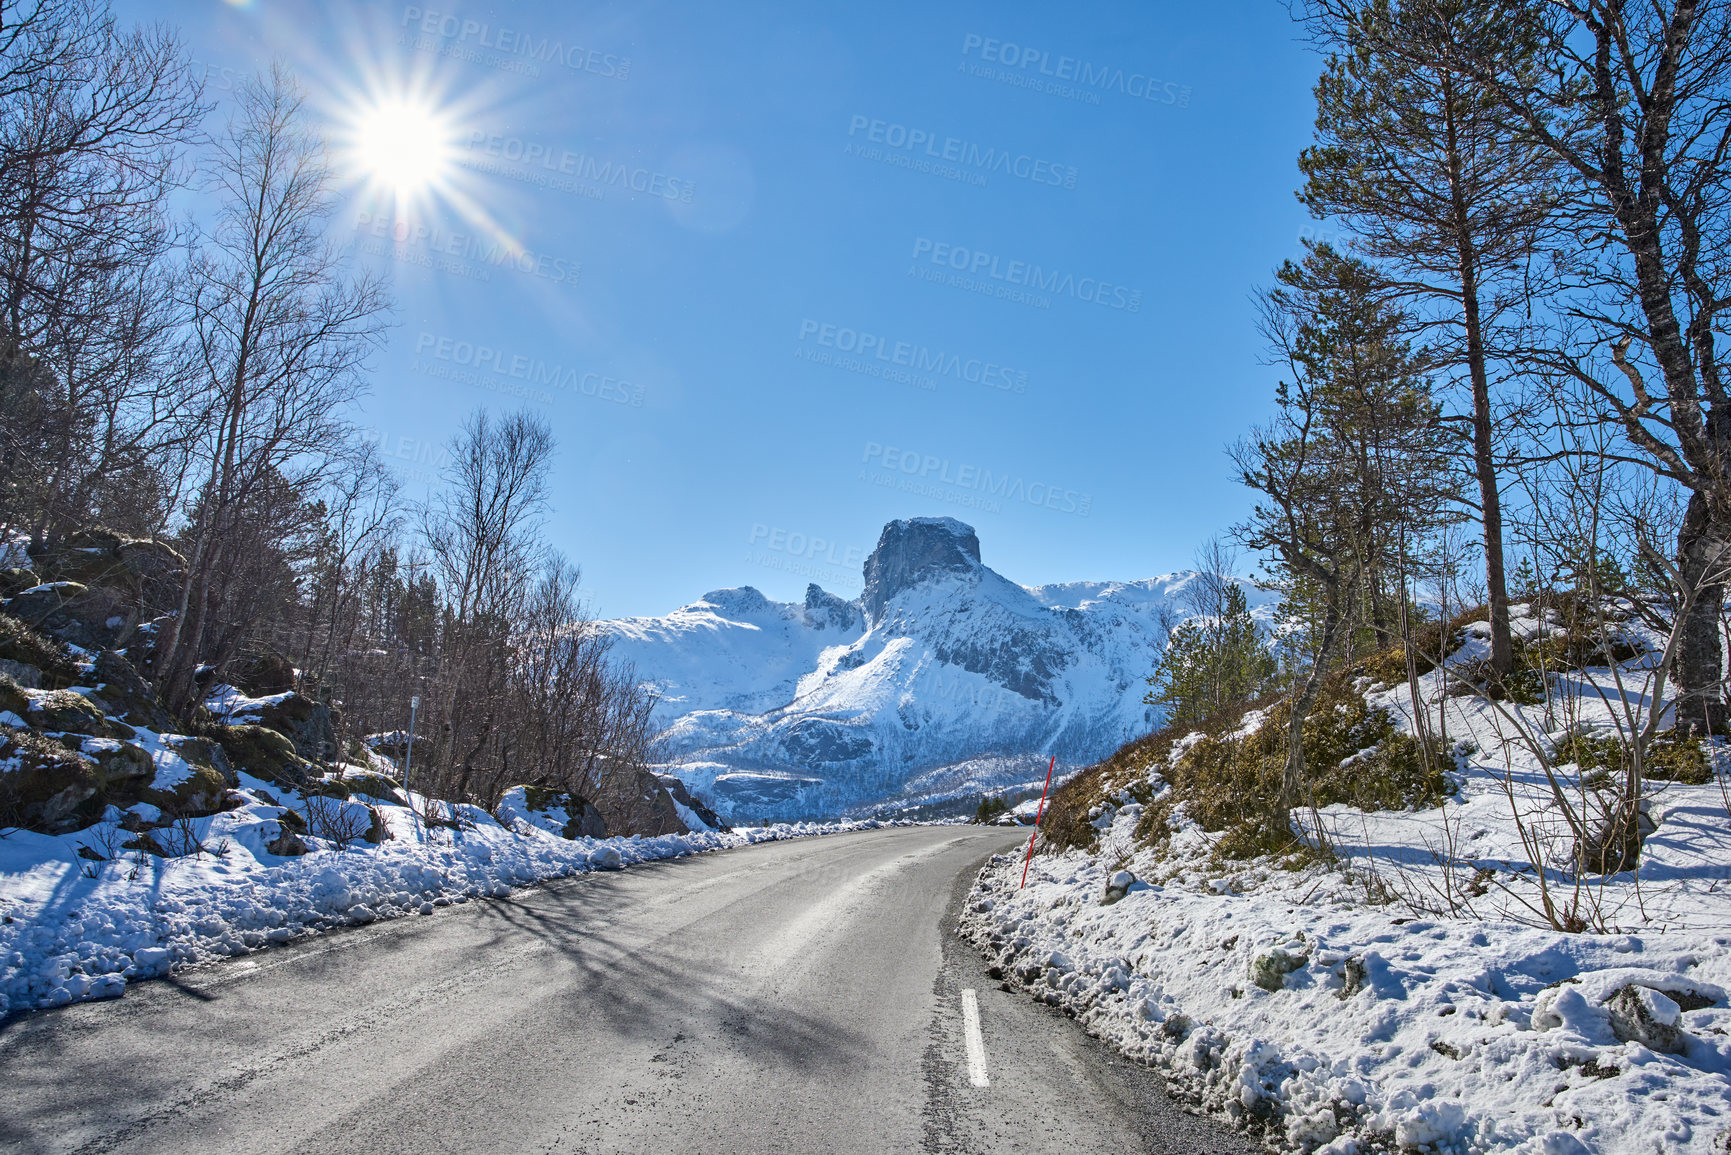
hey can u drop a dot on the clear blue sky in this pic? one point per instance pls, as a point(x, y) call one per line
point(794, 270)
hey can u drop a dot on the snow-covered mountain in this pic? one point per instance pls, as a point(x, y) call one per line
point(943, 678)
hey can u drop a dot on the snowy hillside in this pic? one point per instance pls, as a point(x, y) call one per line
point(943, 676)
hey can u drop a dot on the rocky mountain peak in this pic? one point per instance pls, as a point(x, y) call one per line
point(910, 551)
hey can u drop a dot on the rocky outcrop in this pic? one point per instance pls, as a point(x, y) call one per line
point(909, 552)
point(677, 791)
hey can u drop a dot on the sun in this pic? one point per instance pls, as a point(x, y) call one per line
point(403, 145)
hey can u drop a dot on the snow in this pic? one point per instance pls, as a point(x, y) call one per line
point(964, 684)
point(66, 936)
point(1346, 1012)
point(230, 706)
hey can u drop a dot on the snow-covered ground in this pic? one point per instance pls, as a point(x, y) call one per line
point(1354, 1008)
point(72, 928)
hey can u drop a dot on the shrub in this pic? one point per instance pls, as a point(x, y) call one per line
point(1669, 758)
point(20, 643)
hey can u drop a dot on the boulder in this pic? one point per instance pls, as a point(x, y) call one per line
point(304, 722)
point(15, 581)
point(379, 786)
point(49, 789)
point(69, 712)
point(287, 843)
point(642, 807)
point(676, 789)
point(1269, 968)
point(139, 567)
point(266, 673)
point(1118, 886)
point(90, 617)
point(1646, 1016)
point(124, 694)
point(21, 673)
point(572, 814)
point(202, 788)
point(265, 753)
point(25, 646)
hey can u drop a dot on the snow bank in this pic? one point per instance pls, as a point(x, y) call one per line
point(1409, 999)
point(72, 928)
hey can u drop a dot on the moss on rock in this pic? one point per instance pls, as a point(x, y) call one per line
point(29, 647)
point(264, 753)
point(69, 712)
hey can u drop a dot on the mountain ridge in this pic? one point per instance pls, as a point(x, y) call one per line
point(942, 677)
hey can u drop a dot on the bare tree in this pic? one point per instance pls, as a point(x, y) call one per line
point(93, 122)
point(1634, 103)
point(281, 335)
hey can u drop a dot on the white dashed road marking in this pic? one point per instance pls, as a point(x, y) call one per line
point(976, 1045)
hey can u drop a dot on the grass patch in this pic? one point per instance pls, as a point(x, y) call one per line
point(1669, 759)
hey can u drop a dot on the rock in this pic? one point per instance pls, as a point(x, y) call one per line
point(1269, 968)
point(1353, 974)
point(69, 712)
point(304, 722)
point(123, 693)
point(266, 673)
point(380, 786)
point(582, 819)
point(15, 581)
point(136, 567)
point(287, 843)
point(91, 617)
point(676, 789)
point(24, 649)
point(1646, 1016)
point(910, 550)
point(826, 611)
point(642, 807)
point(265, 753)
point(49, 789)
point(1118, 886)
point(22, 673)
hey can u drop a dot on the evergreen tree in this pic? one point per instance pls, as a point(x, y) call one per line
point(1211, 663)
point(1437, 181)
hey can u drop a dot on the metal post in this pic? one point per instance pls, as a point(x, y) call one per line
point(409, 750)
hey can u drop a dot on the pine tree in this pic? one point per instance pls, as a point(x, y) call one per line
point(1437, 181)
point(1210, 664)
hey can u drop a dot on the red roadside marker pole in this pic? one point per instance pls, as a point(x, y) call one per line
point(1038, 814)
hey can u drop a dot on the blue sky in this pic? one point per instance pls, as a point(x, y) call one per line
point(777, 274)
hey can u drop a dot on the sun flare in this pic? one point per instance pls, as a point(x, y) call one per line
point(403, 145)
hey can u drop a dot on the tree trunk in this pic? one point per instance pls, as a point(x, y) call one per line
point(1702, 551)
point(1292, 777)
point(1484, 461)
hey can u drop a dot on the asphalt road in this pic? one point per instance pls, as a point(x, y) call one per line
point(802, 996)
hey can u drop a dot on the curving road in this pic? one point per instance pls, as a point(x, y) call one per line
point(798, 996)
